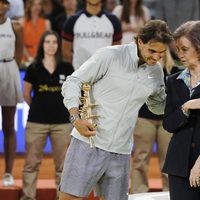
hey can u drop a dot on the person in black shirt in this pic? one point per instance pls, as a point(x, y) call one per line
point(47, 114)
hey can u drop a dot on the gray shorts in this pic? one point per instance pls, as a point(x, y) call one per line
point(86, 169)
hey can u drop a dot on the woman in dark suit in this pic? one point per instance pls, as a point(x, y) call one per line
point(182, 117)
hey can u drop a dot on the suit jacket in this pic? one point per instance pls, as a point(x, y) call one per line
point(184, 147)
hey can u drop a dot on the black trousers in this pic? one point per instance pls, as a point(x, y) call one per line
point(180, 189)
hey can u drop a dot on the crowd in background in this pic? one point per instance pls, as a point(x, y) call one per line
point(39, 16)
point(51, 14)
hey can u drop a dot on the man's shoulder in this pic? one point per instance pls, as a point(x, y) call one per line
point(109, 52)
point(116, 52)
point(115, 48)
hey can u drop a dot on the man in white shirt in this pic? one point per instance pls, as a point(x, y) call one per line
point(88, 30)
point(122, 78)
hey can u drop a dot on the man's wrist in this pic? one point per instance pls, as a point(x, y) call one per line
point(73, 118)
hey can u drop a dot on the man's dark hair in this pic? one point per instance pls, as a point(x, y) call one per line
point(156, 30)
point(190, 30)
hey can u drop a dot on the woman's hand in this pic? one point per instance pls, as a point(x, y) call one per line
point(191, 104)
point(84, 127)
point(195, 174)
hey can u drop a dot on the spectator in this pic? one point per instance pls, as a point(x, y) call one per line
point(47, 114)
point(52, 9)
point(133, 15)
point(70, 8)
point(88, 30)
point(34, 26)
point(11, 48)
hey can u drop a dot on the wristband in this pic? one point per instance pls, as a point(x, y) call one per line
point(72, 118)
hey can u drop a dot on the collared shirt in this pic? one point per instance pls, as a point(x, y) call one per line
point(89, 33)
point(186, 77)
point(119, 88)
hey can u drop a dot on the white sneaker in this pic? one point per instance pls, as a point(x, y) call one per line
point(8, 179)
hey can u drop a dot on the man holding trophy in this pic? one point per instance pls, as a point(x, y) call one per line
point(122, 78)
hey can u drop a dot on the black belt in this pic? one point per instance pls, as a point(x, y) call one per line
point(6, 60)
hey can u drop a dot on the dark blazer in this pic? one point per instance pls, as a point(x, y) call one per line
point(184, 147)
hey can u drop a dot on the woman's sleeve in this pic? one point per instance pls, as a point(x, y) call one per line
point(174, 119)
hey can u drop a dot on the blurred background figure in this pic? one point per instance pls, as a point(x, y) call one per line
point(52, 9)
point(133, 15)
point(149, 130)
point(110, 5)
point(176, 12)
point(16, 10)
point(47, 115)
point(151, 5)
point(11, 47)
point(88, 30)
point(70, 7)
point(34, 26)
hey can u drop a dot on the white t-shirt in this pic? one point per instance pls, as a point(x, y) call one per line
point(89, 33)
